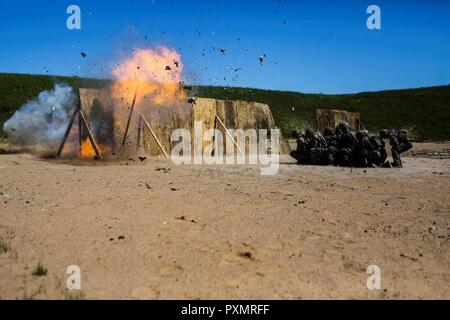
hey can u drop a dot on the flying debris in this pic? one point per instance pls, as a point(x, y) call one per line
point(83, 54)
point(261, 59)
point(168, 68)
point(191, 100)
point(176, 63)
point(222, 50)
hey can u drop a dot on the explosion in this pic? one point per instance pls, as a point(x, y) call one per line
point(87, 151)
point(148, 80)
point(152, 74)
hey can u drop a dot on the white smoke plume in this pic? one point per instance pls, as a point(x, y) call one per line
point(42, 121)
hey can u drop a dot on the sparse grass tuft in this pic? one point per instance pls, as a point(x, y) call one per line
point(4, 246)
point(39, 271)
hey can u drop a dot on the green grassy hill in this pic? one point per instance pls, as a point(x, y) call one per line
point(426, 111)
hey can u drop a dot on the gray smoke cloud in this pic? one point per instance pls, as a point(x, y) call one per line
point(42, 121)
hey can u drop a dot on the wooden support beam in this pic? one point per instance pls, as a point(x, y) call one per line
point(91, 137)
point(229, 135)
point(131, 110)
point(129, 118)
point(154, 136)
point(80, 134)
point(139, 134)
point(213, 151)
point(66, 134)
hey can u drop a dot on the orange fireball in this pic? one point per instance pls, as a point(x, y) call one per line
point(87, 151)
point(154, 74)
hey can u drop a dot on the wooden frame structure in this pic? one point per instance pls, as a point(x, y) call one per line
point(142, 120)
point(331, 118)
point(82, 123)
point(129, 118)
point(121, 136)
point(217, 119)
point(131, 110)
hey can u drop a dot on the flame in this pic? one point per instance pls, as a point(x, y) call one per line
point(87, 151)
point(151, 74)
point(152, 78)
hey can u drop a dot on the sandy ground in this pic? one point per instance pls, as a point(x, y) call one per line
point(153, 230)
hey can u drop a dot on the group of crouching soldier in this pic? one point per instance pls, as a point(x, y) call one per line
point(342, 147)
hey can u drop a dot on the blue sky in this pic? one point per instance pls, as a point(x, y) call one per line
point(310, 46)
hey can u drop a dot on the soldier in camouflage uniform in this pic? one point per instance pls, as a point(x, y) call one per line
point(311, 147)
point(329, 150)
point(301, 154)
point(317, 148)
point(362, 149)
point(399, 142)
point(377, 156)
point(345, 144)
